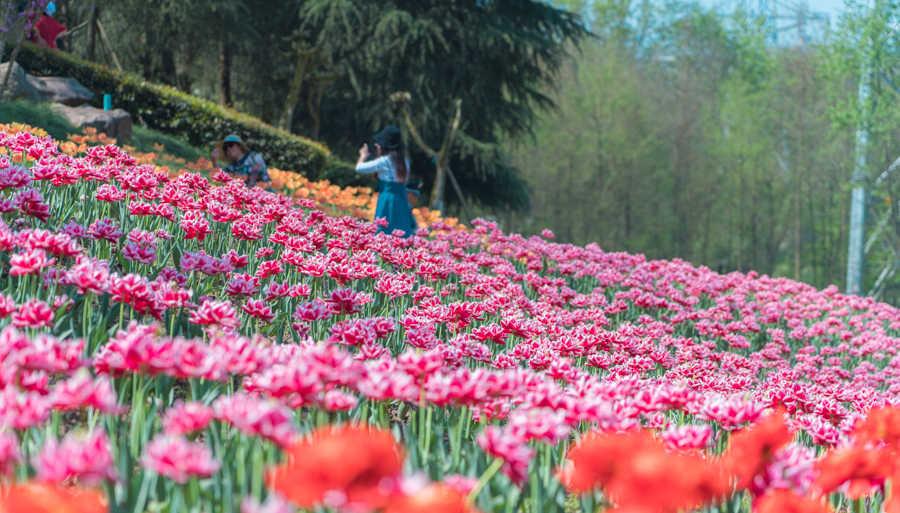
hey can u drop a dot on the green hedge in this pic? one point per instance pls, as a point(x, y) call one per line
point(201, 123)
point(344, 174)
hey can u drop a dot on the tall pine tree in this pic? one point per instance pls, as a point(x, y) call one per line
point(497, 56)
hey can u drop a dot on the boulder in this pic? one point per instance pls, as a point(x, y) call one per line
point(114, 123)
point(18, 83)
point(66, 91)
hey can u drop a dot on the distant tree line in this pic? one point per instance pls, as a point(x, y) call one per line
point(680, 133)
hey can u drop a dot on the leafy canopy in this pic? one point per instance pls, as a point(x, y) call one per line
point(498, 56)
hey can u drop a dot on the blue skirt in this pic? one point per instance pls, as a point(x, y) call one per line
point(393, 206)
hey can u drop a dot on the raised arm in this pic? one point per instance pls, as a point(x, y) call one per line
point(373, 166)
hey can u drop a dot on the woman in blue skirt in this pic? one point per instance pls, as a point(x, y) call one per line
point(393, 170)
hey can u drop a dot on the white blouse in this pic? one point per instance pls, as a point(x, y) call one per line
point(384, 166)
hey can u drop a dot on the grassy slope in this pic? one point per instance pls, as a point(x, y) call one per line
point(37, 115)
point(42, 116)
point(143, 139)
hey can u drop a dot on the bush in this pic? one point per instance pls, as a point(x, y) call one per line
point(344, 174)
point(199, 122)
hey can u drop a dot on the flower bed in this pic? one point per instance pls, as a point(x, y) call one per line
point(172, 342)
point(332, 199)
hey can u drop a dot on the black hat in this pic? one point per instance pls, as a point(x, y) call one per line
point(389, 138)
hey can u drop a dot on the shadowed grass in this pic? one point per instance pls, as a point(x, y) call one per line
point(40, 115)
point(37, 115)
point(144, 139)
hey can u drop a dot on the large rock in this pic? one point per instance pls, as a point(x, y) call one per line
point(66, 91)
point(18, 83)
point(114, 123)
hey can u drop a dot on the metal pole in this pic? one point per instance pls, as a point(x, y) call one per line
point(856, 254)
point(857, 231)
point(766, 9)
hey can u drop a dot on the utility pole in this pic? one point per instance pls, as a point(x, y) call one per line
point(856, 252)
point(92, 33)
point(766, 9)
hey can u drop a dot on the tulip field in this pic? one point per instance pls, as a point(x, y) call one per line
point(180, 343)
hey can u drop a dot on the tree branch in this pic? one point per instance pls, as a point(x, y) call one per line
point(462, 199)
point(403, 99)
point(444, 155)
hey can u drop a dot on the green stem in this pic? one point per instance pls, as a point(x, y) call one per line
point(86, 323)
point(484, 479)
point(177, 499)
point(427, 434)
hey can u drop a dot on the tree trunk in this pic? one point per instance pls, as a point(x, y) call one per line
point(287, 115)
point(4, 36)
point(105, 51)
point(437, 191)
point(9, 68)
point(68, 21)
point(313, 115)
point(184, 65)
point(225, 75)
point(313, 106)
point(441, 157)
point(813, 241)
point(92, 33)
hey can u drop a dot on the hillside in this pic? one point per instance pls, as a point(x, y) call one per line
point(458, 367)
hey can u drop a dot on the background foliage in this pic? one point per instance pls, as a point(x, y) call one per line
point(681, 134)
point(346, 57)
point(657, 127)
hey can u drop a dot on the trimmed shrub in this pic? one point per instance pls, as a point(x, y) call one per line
point(199, 122)
point(344, 174)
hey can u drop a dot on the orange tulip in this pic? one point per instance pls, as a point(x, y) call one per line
point(628, 466)
point(434, 498)
point(892, 504)
point(47, 498)
point(881, 425)
point(752, 449)
point(596, 460)
point(783, 501)
point(864, 468)
point(345, 464)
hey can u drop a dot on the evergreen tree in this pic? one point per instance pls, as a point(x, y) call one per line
point(496, 56)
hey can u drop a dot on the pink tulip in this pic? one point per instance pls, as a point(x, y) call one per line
point(89, 275)
point(22, 410)
point(178, 459)
point(186, 418)
point(29, 262)
point(33, 314)
point(10, 456)
point(81, 391)
point(256, 417)
point(215, 313)
point(86, 460)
